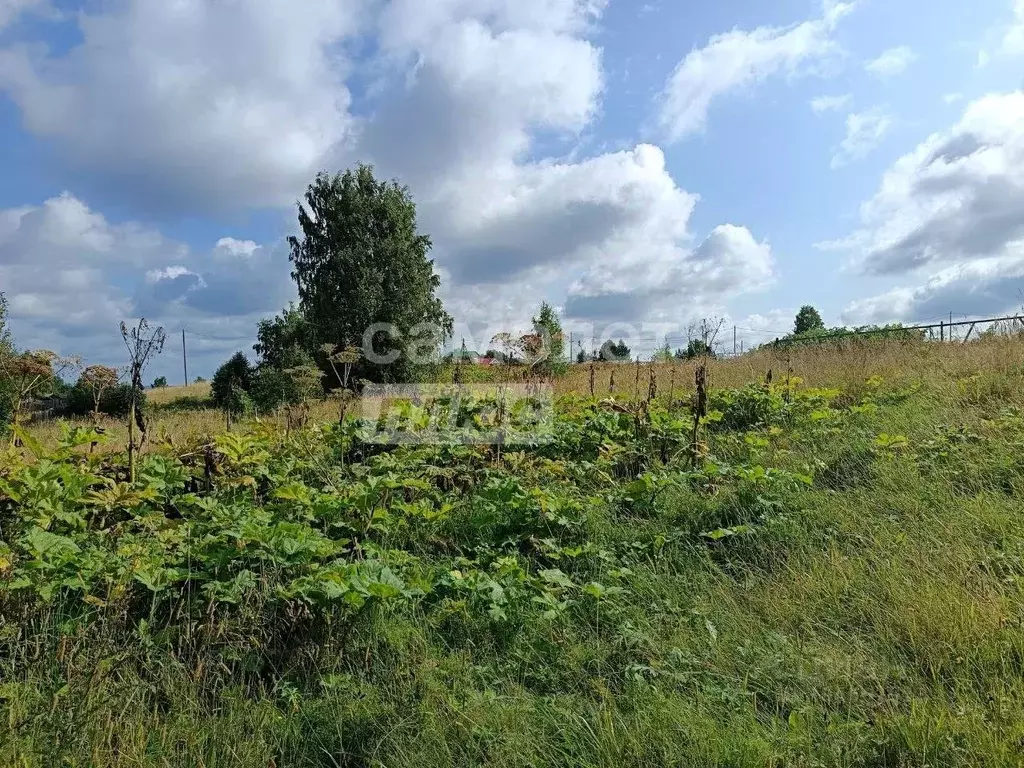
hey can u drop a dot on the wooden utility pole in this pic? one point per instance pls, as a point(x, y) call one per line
point(184, 356)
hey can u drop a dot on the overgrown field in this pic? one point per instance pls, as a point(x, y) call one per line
point(166, 395)
point(833, 577)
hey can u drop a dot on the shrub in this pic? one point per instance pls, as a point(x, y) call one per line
point(271, 388)
point(159, 381)
point(79, 401)
point(6, 405)
point(235, 374)
point(747, 408)
point(115, 402)
point(238, 401)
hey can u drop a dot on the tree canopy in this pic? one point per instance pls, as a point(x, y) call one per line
point(548, 326)
point(231, 383)
point(361, 264)
point(808, 320)
point(612, 352)
point(695, 348)
point(284, 341)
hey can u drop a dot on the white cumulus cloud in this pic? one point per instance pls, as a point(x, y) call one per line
point(71, 276)
point(233, 247)
point(891, 62)
point(477, 105)
point(834, 10)
point(1013, 39)
point(958, 196)
point(226, 104)
point(864, 131)
point(823, 104)
point(729, 260)
point(739, 59)
point(984, 287)
point(1009, 40)
point(949, 217)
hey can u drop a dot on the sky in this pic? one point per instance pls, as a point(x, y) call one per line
point(639, 165)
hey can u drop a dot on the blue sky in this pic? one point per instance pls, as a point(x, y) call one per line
point(641, 166)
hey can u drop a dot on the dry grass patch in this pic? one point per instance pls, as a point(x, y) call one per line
point(845, 364)
point(166, 395)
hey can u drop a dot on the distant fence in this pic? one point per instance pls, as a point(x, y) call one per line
point(945, 331)
point(40, 409)
point(736, 346)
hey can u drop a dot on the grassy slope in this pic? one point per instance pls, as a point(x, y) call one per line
point(874, 619)
point(165, 395)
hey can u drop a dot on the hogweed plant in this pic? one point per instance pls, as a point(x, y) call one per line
point(143, 344)
point(341, 361)
point(31, 375)
point(99, 379)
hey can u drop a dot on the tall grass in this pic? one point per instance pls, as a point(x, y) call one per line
point(845, 363)
point(166, 395)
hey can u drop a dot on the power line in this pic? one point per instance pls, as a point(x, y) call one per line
point(217, 338)
point(763, 331)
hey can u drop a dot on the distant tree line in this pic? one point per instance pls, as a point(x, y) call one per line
point(27, 376)
point(609, 352)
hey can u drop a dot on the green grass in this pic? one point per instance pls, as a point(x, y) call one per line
point(872, 618)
